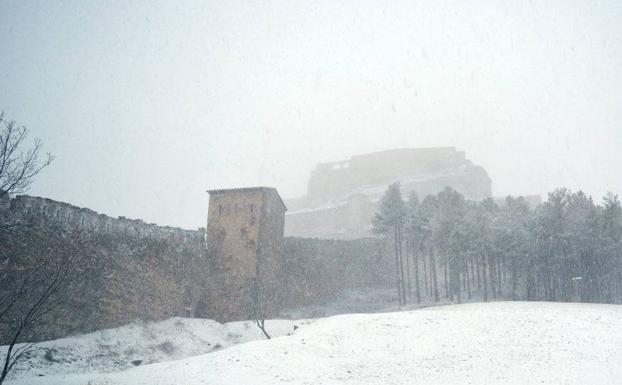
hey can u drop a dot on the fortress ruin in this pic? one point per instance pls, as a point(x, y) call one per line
point(342, 196)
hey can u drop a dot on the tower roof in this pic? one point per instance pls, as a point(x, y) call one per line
point(248, 189)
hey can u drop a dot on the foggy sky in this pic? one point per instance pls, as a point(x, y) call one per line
point(147, 104)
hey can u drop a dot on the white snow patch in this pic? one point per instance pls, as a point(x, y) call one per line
point(140, 343)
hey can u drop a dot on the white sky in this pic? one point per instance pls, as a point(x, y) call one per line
point(147, 104)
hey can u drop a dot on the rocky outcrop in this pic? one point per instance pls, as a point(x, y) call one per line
point(342, 196)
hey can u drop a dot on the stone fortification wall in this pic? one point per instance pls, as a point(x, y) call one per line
point(144, 271)
point(73, 217)
point(138, 270)
point(317, 270)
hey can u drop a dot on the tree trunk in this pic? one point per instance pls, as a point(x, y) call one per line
point(479, 264)
point(434, 275)
point(458, 288)
point(473, 268)
point(499, 274)
point(397, 267)
point(462, 268)
point(531, 284)
point(467, 279)
point(9, 359)
point(399, 237)
point(261, 324)
point(446, 279)
point(408, 279)
point(431, 272)
point(425, 271)
point(491, 271)
point(416, 266)
point(513, 278)
point(485, 283)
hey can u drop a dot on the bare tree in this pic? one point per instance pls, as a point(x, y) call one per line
point(34, 282)
point(30, 287)
point(259, 298)
point(18, 165)
point(259, 312)
point(261, 324)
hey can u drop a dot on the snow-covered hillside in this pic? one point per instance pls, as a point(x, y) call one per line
point(493, 343)
point(141, 343)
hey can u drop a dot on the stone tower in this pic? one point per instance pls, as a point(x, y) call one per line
point(245, 240)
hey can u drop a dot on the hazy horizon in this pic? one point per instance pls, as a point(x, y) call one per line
point(146, 105)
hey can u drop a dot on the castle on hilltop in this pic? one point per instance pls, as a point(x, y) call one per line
point(342, 196)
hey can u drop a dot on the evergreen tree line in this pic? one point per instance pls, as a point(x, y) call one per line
point(448, 248)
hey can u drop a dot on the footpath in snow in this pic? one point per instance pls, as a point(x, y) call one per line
point(484, 343)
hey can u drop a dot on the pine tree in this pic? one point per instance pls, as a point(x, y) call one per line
point(415, 231)
point(389, 221)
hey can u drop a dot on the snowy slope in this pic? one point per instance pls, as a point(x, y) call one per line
point(494, 343)
point(140, 343)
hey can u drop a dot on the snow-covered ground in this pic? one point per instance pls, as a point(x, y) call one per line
point(492, 343)
point(141, 343)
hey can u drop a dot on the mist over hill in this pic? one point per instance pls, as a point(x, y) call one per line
point(343, 195)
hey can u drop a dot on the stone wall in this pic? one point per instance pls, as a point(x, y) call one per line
point(316, 270)
point(74, 217)
point(145, 271)
point(138, 270)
